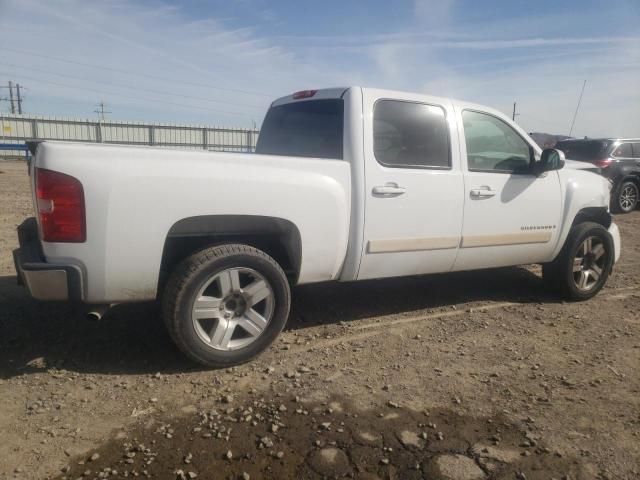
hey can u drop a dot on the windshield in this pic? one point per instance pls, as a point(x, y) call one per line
point(304, 129)
point(584, 150)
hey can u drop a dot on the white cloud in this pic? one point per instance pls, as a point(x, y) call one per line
point(433, 13)
point(164, 65)
point(160, 48)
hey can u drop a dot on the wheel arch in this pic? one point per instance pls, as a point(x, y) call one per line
point(628, 176)
point(633, 176)
point(596, 214)
point(277, 237)
point(599, 215)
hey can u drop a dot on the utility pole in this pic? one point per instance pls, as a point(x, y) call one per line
point(13, 105)
point(19, 98)
point(100, 110)
point(513, 117)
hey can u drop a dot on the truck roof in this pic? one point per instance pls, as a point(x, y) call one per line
point(338, 92)
point(315, 94)
point(601, 139)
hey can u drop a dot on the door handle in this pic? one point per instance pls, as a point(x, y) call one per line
point(482, 192)
point(388, 190)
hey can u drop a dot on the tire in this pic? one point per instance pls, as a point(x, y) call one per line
point(626, 197)
point(224, 305)
point(589, 248)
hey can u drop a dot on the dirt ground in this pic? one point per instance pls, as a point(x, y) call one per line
point(466, 376)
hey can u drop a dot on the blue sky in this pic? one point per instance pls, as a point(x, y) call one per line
point(221, 62)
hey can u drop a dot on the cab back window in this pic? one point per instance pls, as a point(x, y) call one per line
point(304, 129)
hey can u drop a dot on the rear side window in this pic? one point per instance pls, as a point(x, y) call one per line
point(636, 150)
point(411, 135)
point(623, 151)
point(304, 129)
point(584, 150)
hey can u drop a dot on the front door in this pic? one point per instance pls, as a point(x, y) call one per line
point(414, 186)
point(511, 216)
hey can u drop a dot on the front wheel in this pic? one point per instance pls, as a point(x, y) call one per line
point(224, 305)
point(583, 266)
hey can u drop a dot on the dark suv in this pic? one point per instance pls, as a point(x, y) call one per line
point(619, 161)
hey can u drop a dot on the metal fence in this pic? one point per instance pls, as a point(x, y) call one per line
point(19, 128)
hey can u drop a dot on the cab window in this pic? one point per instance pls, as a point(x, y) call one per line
point(493, 146)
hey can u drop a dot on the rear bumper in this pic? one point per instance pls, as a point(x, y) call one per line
point(44, 280)
point(615, 236)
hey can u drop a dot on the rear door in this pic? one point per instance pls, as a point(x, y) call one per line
point(511, 216)
point(636, 152)
point(413, 185)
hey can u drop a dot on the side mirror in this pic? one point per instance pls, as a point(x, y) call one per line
point(551, 159)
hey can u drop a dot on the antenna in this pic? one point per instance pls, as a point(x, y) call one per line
point(577, 108)
point(513, 117)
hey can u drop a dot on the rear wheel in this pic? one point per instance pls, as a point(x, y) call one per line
point(224, 305)
point(627, 197)
point(584, 264)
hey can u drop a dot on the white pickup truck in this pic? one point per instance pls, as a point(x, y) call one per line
point(346, 184)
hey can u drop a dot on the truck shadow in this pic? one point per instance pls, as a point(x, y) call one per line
point(335, 302)
point(36, 336)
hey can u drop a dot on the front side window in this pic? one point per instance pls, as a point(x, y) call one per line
point(410, 135)
point(623, 151)
point(493, 146)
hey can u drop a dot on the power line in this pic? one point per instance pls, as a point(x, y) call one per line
point(129, 72)
point(136, 97)
point(128, 86)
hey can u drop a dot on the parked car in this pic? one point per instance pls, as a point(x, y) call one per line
point(347, 184)
point(618, 160)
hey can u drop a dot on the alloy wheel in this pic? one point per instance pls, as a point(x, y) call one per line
point(589, 263)
point(628, 197)
point(232, 308)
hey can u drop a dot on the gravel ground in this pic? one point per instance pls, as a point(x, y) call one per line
point(461, 376)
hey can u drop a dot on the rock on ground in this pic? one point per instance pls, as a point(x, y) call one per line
point(329, 461)
point(454, 467)
point(504, 455)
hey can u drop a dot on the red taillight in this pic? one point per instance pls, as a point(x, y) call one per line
point(605, 162)
point(60, 206)
point(304, 94)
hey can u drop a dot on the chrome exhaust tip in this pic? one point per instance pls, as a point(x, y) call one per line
point(96, 312)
